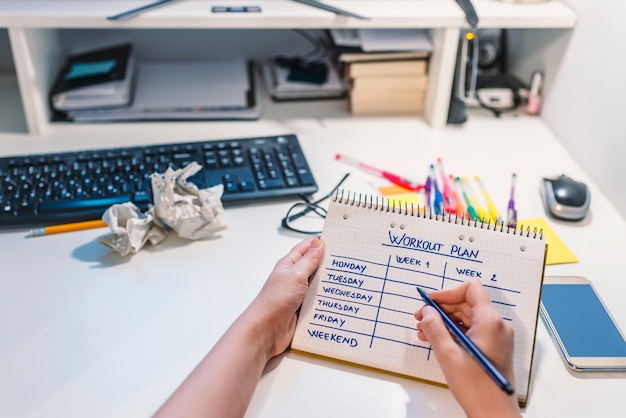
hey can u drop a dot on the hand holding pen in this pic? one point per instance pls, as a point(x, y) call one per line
point(476, 389)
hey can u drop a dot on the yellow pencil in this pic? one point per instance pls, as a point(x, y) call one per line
point(57, 229)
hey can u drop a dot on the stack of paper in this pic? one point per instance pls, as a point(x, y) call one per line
point(352, 45)
point(185, 91)
point(386, 70)
point(280, 87)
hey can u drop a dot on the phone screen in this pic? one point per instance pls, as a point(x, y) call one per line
point(581, 321)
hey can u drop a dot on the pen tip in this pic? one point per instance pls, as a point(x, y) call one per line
point(337, 156)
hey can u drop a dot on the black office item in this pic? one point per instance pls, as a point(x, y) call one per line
point(48, 189)
point(95, 78)
point(565, 198)
point(138, 10)
point(456, 111)
point(470, 12)
point(308, 71)
point(336, 10)
point(236, 9)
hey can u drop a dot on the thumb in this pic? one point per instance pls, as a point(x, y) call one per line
point(309, 261)
point(437, 334)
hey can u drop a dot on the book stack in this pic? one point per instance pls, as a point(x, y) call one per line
point(188, 90)
point(386, 70)
point(94, 79)
point(387, 87)
point(106, 85)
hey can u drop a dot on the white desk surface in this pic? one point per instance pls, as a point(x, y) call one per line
point(87, 333)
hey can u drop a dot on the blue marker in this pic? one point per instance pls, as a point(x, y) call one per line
point(469, 346)
point(438, 199)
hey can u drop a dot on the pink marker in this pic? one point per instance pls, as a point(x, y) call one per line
point(448, 198)
point(394, 178)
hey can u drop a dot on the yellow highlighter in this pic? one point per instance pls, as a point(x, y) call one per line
point(481, 213)
point(493, 211)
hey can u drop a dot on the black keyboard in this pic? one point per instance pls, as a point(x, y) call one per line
point(48, 189)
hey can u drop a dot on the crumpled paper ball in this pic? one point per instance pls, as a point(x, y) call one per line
point(179, 206)
point(131, 229)
point(193, 213)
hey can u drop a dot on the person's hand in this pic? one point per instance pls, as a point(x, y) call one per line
point(223, 383)
point(476, 392)
point(283, 293)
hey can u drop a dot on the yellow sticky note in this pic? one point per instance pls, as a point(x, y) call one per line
point(393, 190)
point(558, 253)
point(404, 199)
point(399, 195)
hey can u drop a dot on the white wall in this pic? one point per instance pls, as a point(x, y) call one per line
point(585, 89)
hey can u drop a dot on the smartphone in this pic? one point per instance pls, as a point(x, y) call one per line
point(581, 326)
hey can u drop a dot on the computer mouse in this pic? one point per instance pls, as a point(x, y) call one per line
point(565, 198)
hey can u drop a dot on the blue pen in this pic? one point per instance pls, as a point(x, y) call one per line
point(469, 346)
point(438, 199)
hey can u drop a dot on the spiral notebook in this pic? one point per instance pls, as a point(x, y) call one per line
point(360, 304)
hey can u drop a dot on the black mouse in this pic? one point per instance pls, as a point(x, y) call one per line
point(565, 198)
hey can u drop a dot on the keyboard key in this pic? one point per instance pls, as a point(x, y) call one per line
point(271, 184)
point(246, 186)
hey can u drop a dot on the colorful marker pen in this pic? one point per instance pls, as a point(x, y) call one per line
point(438, 197)
point(493, 211)
point(449, 205)
point(470, 209)
point(394, 178)
point(511, 212)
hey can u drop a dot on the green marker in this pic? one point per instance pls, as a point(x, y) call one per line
point(470, 209)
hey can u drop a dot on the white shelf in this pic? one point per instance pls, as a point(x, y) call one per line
point(197, 14)
point(35, 28)
point(549, 15)
point(282, 14)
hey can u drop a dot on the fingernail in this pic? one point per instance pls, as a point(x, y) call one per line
point(315, 244)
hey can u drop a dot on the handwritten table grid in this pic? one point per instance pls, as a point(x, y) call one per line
point(362, 300)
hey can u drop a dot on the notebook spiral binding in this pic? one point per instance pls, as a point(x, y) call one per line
point(382, 204)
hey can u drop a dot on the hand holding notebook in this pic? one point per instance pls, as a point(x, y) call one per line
point(360, 304)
